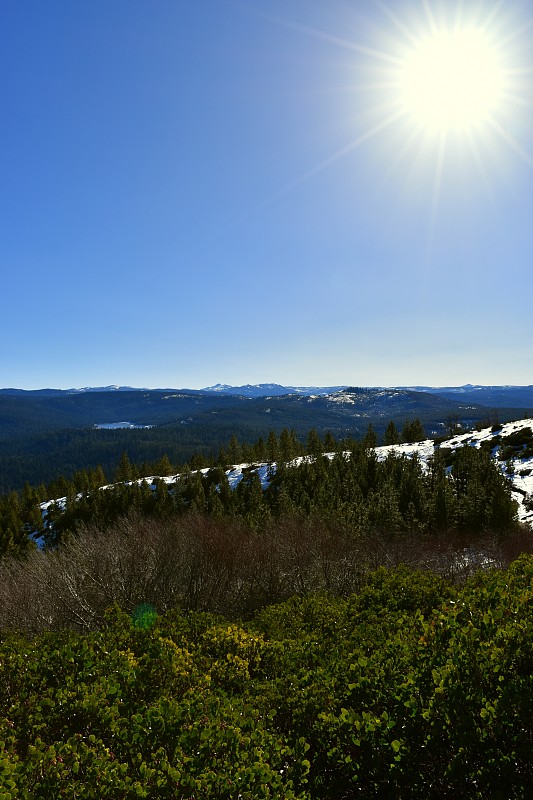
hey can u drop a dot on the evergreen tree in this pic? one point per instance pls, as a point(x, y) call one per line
point(259, 450)
point(214, 504)
point(247, 453)
point(222, 458)
point(371, 439)
point(81, 481)
point(391, 434)
point(163, 499)
point(288, 445)
point(97, 477)
point(234, 450)
point(413, 432)
point(124, 470)
point(313, 445)
point(330, 443)
point(163, 467)
point(272, 447)
point(417, 432)
point(198, 461)
point(57, 488)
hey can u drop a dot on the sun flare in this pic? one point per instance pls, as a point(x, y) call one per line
point(451, 81)
point(441, 96)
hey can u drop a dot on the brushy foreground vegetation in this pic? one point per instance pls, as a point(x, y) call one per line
point(407, 688)
point(327, 635)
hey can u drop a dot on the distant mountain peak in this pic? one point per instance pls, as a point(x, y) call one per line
point(217, 387)
point(269, 389)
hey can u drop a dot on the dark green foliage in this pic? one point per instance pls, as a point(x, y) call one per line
point(314, 445)
point(407, 689)
point(125, 470)
point(130, 713)
point(370, 438)
point(354, 489)
point(389, 591)
point(516, 445)
point(413, 431)
point(45, 435)
point(391, 434)
point(483, 496)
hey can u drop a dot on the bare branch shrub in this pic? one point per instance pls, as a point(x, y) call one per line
point(200, 563)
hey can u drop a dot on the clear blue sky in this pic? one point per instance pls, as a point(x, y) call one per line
point(196, 191)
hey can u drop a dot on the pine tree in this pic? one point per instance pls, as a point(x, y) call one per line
point(247, 453)
point(391, 434)
point(313, 444)
point(81, 481)
point(417, 432)
point(272, 447)
point(259, 450)
point(124, 470)
point(330, 443)
point(163, 467)
point(234, 450)
point(289, 445)
point(413, 432)
point(371, 438)
point(97, 477)
point(222, 458)
point(215, 506)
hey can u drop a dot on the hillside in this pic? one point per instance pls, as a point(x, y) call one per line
point(510, 447)
point(493, 396)
point(47, 433)
point(232, 539)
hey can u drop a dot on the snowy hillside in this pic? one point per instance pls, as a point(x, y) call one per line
point(518, 467)
point(511, 446)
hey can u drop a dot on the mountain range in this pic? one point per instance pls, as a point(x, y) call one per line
point(508, 396)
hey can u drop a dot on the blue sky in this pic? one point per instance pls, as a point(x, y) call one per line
point(202, 191)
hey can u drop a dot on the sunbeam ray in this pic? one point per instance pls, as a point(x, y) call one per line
point(396, 21)
point(515, 34)
point(474, 149)
point(491, 16)
point(439, 167)
point(430, 17)
point(517, 100)
point(513, 144)
point(336, 40)
point(327, 162)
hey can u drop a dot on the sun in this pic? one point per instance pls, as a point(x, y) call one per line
point(451, 81)
point(440, 94)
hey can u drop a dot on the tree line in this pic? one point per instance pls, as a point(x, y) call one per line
point(19, 512)
point(463, 490)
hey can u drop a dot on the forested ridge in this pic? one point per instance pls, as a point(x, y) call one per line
point(343, 481)
point(43, 436)
point(333, 624)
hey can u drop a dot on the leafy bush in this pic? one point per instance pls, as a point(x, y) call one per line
point(408, 688)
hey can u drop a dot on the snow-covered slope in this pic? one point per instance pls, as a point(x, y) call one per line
point(517, 466)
